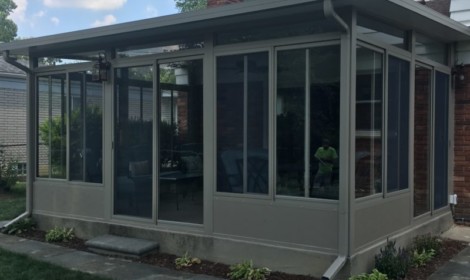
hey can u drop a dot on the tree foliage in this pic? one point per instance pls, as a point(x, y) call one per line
point(190, 5)
point(8, 28)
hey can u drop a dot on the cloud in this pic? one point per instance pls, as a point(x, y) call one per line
point(151, 11)
point(107, 20)
point(55, 20)
point(18, 15)
point(39, 14)
point(95, 5)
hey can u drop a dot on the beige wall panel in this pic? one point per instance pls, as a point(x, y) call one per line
point(301, 224)
point(64, 198)
point(381, 218)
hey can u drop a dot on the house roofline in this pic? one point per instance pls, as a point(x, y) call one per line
point(412, 14)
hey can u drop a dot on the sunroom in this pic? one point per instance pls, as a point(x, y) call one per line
point(205, 130)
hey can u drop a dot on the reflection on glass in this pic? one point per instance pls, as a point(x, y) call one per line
point(422, 131)
point(85, 128)
point(133, 141)
point(242, 123)
point(369, 91)
point(441, 139)
point(181, 138)
point(319, 104)
point(52, 127)
point(431, 49)
point(398, 124)
point(382, 32)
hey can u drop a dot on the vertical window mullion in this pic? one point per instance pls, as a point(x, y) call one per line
point(307, 124)
point(245, 124)
point(50, 125)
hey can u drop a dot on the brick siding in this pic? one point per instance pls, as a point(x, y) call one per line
point(462, 145)
point(214, 3)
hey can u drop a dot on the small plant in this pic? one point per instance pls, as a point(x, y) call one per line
point(246, 271)
point(374, 275)
point(59, 234)
point(394, 263)
point(420, 259)
point(8, 172)
point(427, 243)
point(186, 261)
point(21, 226)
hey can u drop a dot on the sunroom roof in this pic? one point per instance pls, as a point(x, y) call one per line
point(406, 14)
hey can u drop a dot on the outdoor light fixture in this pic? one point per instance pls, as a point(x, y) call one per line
point(457, 71)
point(101, 69)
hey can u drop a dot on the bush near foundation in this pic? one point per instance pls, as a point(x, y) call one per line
point(8, 172)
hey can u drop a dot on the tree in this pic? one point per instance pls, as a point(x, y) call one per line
point(190, 5)
point(8, 28)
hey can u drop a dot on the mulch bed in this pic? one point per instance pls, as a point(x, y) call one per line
point(450, 248)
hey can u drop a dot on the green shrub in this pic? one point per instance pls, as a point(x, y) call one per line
point(394, 263)
point(420, 259)
point(375, 275)
point(59, 234)
point(21, 226)
point(427, 243)
point(246, 271)
point(8, 172)
point(186, 261)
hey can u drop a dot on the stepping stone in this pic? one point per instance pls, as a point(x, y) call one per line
point(121, 246)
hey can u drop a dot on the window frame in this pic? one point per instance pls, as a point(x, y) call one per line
point(63, 70)
point(224, 52)
point(307, 128)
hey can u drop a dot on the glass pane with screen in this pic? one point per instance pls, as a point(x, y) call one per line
point(133, 141)
point(85, 106)
point(52, 127)
point(369, 92)
point(422, 140)
point(398, 123)
point(181, 141)
point(242, 123)
point(441, 140)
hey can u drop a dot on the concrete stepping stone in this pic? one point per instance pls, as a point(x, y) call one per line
point(121, 246)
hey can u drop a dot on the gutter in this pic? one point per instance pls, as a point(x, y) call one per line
point(341, 259)
point(12, 61)
point(29, 201)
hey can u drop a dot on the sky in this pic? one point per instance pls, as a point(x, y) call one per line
point(36, 18)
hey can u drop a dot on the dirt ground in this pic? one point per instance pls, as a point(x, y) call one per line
point(449, 249)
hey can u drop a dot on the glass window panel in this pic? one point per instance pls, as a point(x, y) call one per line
point(52, 139)
point(291, 100)
point(324, 121)
point(431, 49)
point(422, 133)
point(441, 140)
point(242, 126)
point(133, 142)
point(85, 128)
point(181, 141)
point(135, 51)
point(43, 157)
point(382, 32)
point(369, 92)
point(398, 127)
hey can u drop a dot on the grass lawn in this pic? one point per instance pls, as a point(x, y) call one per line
point(13, 203)
point(19, 267)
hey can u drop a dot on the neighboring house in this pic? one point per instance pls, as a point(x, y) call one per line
point(13, 114)
point(211, 148)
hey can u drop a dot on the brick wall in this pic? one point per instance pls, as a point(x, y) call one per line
point(13, 118)
point(214, 3)
point(462, 145)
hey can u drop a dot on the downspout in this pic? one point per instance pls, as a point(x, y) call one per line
point(341, 259)
point(27, 213)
